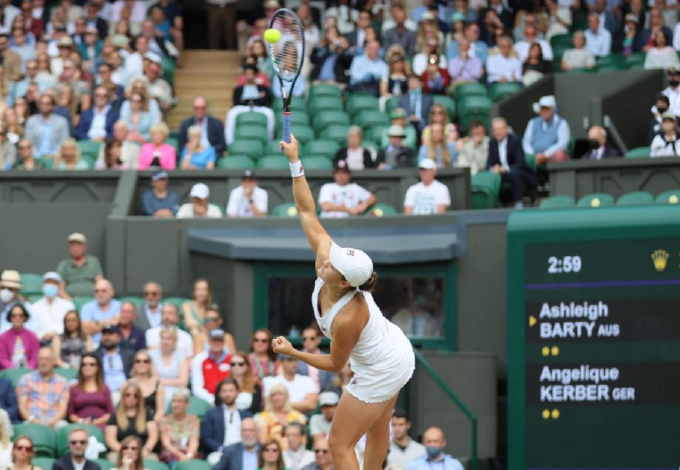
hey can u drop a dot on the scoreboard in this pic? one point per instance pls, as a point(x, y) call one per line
point(594, 338)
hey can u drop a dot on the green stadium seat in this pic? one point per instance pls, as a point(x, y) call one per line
point(448, 103)
point(322, 147)
point(251, 118)
point(380, 210)
point(168, 67)
point(499, 91)
point(582, 70)
point(89, 148)
point(317, 163)
point(391, 103)
point(15, 374)
point(273, 162)
point(324, 89)
point(358, 103)
point(256, 133)
point(273, 148)
point(474, 108)
point(78, 302)
point(636, 61)
point(297, 118)
point(668, 197)
point(485, 188)
point(369, 118)
point(68, 374)
point(47, 163)
point(150, 464)
point(43, 463)
point(192, 465)
point(297, 103)
point(239, 162)
point(286, 209)
point(62, 436)
point(32, 283)
point(530, 160)
point(370, 144)
point(639, 152)
point(324, 102)
point(561, 41)
point(328, 118)
point(303, 134)
point(595, 200)
point(635, 198)
point(611, 62)
point(138, 301)
point(336, 133)
point(468, 89)
point(44, 439)
point(252, 148)
point(173, 142)
point(375, 133)
point(557, 202)
point(104, 464)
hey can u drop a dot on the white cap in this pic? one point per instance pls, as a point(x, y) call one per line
point(547, 101)
point(52, 276)
point(200, 191)
point(354, 264)
point(328, 399)
point(427, 164)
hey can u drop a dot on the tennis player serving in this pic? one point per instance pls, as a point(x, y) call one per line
point(380, 355)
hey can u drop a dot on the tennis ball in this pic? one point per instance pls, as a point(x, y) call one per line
point(272, 35)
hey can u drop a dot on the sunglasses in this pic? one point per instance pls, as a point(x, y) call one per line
point(142, 361)
point(24, 448)
point(239, 364)
point(320, 451)
point(82, 443)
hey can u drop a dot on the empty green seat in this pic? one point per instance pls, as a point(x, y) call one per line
point(297, 103)
point(62, 435)
point(150, 464)
point(322, 147)
point(370, 144)
point(251, 148)
point(192, 465)
point(635, 198)
point(336, 133)
point(168, 67)
point(469, 89)
point(557, 202)
point(380, 210)
point(44, 439)
point(317, 163)
point(43, 463)
point(302, 133)
point(639, 152)
point(273, 162)
point(669, 197)
point(68, 374)
point(286, 209)
point(78, 302)
point(391, 103)
point(611, 62)
point(138, 301)
point(236, 162)
point(273, 148)
point(636, 60)
point(448, 103)
point(32, 283)
point(297, 118)
point(251, 118)
point(595, 200)
point(474, 108)
point(324, 102)
point(324, 89)
point(89, 148)
point(370, 118)
point(328, 118)
point(485, 188)
point(561, 41)
point(360, 103)
point(499, 90)
point(47, 163)
point(105, 464)
point(256, 133)
point(198, 407)
point(15, 374)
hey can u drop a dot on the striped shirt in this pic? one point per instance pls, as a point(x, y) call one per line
point(43, 395)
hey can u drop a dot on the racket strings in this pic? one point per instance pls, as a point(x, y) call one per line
point(286, 54)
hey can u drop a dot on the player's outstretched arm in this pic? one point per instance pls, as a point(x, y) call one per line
point(318, 238)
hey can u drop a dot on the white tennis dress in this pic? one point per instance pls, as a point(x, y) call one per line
point(382, 360)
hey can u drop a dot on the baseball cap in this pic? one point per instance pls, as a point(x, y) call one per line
point(668, 116)
point(354, 264)
point(341, 165)
point(397, 113)
point(155, 58)
point(200, 191)
point(159, 175)
point(248, 174)
point(77, 237)
point(217, 333)
point(427, 164)
point(547, 101)
point(52, 276)
point(328, 399)
point(396, 131)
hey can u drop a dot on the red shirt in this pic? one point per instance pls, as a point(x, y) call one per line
point(214, 372)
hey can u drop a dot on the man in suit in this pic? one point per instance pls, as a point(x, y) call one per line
point(97, 122)
point(8, 400)
point(213, 129)
point(77, 443)
point(93, 19)
point(506, 157)
point(242, 455)
point(221, 426)
point(46, 123)
point(416, 103)
point(597, 140)
point(151, 314)
point(117, 362)
point(357, 38)
point(399, 34)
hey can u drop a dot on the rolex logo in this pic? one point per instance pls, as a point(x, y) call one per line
point(660, 258)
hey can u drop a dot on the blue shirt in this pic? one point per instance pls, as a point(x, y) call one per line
point(364, 69)
point(92, 311)
point(298, 89)
point(201, 160)
point(45, 148)
point(327, 71)
point(151, 203)
point(114, 374)
point(249, 459)
point(425, 463)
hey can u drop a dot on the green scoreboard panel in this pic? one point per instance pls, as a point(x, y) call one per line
point(594, 338)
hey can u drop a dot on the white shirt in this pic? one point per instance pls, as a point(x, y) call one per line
point(503, 153)
point(522, 49)
point(674, 98)
point(185, 343)
point(661, 148)
point(355, 158)
point(239, 206)
point(232, 426)
point(421, 60)
point(599, 43)
point(49, 317)
point(78, 466)
point(98, 125)
point(298, 388)
point(499, 67)
point(350, 195)
point(297, 459)
point(134, 65)
point(425, 199)
point(186, 211)
point(319, 425)
point(197, 379)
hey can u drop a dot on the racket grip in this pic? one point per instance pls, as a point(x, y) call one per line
point(286, 127)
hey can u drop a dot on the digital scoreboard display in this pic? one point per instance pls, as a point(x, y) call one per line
point(594, 341)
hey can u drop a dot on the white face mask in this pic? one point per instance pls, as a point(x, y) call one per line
point(6, 295)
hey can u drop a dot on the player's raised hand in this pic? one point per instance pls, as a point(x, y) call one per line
point(291, 149)
point(282, 346)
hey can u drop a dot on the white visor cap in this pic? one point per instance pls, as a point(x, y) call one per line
point(354, 264)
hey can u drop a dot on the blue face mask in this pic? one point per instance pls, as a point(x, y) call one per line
point(433, 452)
point(50, 290)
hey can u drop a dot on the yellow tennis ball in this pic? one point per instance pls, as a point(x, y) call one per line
point(272, 35)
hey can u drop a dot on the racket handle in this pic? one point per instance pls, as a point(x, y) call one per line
point(286, 127)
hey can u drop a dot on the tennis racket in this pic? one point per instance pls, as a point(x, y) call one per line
point(287, 56)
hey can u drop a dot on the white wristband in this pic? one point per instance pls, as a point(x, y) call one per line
point(296, 169)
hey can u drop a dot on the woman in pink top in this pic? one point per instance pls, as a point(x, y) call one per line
point(157, 153)
point(18, 345)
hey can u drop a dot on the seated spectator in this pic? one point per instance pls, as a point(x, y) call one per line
point(77, 443)
point(399, 34)
point(138, 118)
point(662, 55)
point(18, 345)
point(132, 336)
point(74, 77)
point(50, 310)
point(303, 392)
point(170, 319)
point(20, 88)
point(212, 128)
point(158, 87)
point(368, 70)
point(656, 24)
point(22, 453)
point(464, 68)
point(631, 33)
point(150, 315)
point(68, 103)
point(10, 287)
point(43, 395)
point(102, 310)
point(278, 412)
point(141, 87)
point(559, 19)
point(270, 456)
point(8, 404)
point(398, 117)
point(158, 153)
point(503, 66)
point(357, 37)
point(323, 459)
point(250, 392)
point(130, 420)
point(355, 156)
point(69, 158)
point(395, 155)
point(395, 83)
point(416, 103)
point(46, 130)
point(403, 449)
point(530, 38)
point(320, 424)
point(72, 343)
point(475, 149)
point(209, 368)
point(113, 150)
point(117, 362)
point(24, 50)
point(143, 375)
point(599, 149)
point(26, 160)
point(579, 57)
point(179, 431)
point(673, 90)
point(158, 201)
point(134, 11)
point(290, 63)
point(506, 157)
point(535, 66)
point(171, 364)
point(598, 40)
point(438, 148)
point(195, 311)
point(661, 105)
point(311, 342)
point(221, 426)
point(343, 198)
point(90, 48)
point(90, 399)
point(212, 320)
point(262, 357)
point(195, 156)
point(247, 98)
point(423, 58)
point(134, 62)
point(130, 457)
point(97, 122)
point(434, 441)
point(435, 79)
point(665, 143)
point(199, 206)
point(6, 445)
point(331, 59)
point(429, 196)
point(11, 61)
point(105, 78)
point(476, 48)
point(297, 456)
point(241, 455)
point(547, 135)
